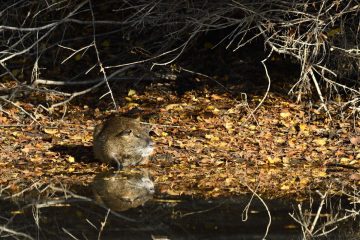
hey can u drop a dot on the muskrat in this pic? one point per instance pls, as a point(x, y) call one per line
point(121, 140)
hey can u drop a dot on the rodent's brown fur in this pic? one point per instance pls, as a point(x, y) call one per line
point(123, 141)
point(122, 190)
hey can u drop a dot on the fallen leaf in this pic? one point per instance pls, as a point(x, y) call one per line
point(173, 106)
point(274, 160)
point(319, 173)
point(320, 141)
point(355, 140)
point(50, 131)
point(285, 114)
point(71, 159)
point(216, 97)
point(131, 92)
point(355, 176)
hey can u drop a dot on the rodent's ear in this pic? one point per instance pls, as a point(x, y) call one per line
point(151, 132)
point(98, 128)
point(145, 173)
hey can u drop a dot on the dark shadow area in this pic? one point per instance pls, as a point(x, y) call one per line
point(81, 153)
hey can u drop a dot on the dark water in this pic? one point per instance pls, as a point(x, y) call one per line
point(174, 219)
point(83, 213)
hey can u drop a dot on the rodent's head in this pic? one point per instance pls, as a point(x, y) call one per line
point(144, 183)
point(135, 139)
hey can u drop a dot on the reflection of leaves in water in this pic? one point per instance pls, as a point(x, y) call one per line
point(123, 190)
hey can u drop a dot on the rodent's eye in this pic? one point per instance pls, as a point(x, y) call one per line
point(152, 133)
point(126, 132)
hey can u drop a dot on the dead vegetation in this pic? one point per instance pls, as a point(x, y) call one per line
point(195, 70)
point(120, 40)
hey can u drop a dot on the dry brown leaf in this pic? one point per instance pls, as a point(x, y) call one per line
point(355, 177)
point(355, 140)
point(216, 97)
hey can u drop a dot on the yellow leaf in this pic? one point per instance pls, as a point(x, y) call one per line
point(285, 187)
point(173, 192)
point(353, 162)
point(212, 109)
point(223, 145)
point(228, 181)
point(319, 173)
point(274, 160)
point(229, 127)
point(87, 138)
point(76, 137)
point(286, 160)
point(131, 92)
point(216, 97)
point(252, 127)
point(291, 226)
point(303, 127)
point(285, 114)
point(292, 143)
point(344, 160)
point(212, 137)
point(304, 182)
point(164, 134)
point(173, 106)
point(17, 212)
point(15, 134)
point(71, 159)
point(215, 139)
point(215, 111)
point(71, 169)
point(279, 140)
point(50, 131)
point(320, 141)
point(132, 105)
point(208, 136)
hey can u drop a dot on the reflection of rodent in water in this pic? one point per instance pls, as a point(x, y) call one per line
point(123, 141)
point(122, 190)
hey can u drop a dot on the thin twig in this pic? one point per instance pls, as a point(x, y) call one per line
point(103, 223)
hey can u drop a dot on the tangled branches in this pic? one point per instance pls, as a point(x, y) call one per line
point(41, 37)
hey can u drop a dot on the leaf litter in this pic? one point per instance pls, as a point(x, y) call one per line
point(207, 146)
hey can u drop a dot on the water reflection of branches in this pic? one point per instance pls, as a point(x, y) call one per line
point(310, 223)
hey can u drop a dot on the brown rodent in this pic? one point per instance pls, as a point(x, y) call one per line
point(123, 141)
point(121, 190)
